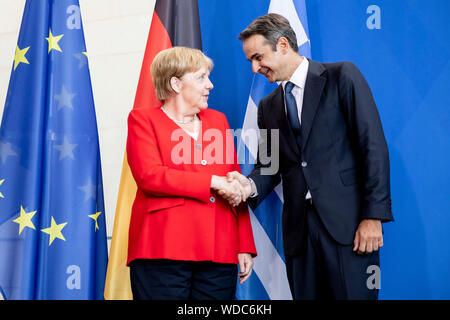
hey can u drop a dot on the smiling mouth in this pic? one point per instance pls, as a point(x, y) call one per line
point(265, 72)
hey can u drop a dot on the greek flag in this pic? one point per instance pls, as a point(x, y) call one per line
point(269, 279)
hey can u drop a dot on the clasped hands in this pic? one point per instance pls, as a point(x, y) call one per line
point(234, 188)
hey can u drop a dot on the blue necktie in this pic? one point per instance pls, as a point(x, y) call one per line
point(292, 113)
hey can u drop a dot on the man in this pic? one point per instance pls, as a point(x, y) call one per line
point(333, 164)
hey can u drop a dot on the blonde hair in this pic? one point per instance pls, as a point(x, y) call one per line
point(175, 62)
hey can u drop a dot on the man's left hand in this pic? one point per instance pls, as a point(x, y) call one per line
point(368, 237)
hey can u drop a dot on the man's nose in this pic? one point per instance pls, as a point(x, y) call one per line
point(255, 66)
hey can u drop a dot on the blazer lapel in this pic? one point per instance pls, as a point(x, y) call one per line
point(282, 121)
point(315, 82)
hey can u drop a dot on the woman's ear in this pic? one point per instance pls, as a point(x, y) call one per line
point(176, 84)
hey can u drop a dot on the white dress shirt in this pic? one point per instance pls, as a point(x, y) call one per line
point(298, 78)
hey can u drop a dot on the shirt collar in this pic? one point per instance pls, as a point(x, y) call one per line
point(299, 76)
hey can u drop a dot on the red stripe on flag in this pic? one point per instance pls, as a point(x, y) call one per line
point(158, 39)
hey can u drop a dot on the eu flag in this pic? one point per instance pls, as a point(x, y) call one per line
point(52, 218)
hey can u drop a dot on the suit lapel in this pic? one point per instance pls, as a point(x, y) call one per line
point(282, 121)
point(315, 82)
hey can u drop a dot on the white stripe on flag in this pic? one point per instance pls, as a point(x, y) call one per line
point(287, 9)
point(250, 125)
point(279, 191)
point(269, 266)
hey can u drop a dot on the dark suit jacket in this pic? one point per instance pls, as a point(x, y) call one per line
point(343, 158)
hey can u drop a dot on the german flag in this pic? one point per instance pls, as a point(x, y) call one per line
point(174, 23)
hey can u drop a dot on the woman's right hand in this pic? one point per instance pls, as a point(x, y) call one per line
point(230, 190)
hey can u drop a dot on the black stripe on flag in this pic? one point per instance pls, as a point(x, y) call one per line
point(181, 20)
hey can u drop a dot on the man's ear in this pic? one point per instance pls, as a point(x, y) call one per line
point(283, 44)
point(176, 84)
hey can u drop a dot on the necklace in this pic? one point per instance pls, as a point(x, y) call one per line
point(178, 121)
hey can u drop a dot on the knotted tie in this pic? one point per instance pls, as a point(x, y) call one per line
point(292, 113)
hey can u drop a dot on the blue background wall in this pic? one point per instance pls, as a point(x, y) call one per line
point(407, 64)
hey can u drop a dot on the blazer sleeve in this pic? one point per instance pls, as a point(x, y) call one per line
point(245, 233)
point(246, 241)
point(264, 183)
point(150, 174)
point(367, 134)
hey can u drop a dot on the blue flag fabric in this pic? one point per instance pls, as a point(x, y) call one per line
point(52, 217)
point(269, 279)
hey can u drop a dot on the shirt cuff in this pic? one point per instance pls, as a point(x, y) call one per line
point(254, 192)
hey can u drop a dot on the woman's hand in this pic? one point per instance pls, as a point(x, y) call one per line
point(230, 190)
point(245, 266)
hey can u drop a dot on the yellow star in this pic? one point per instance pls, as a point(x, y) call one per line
point(53, 42)
point(1, 194)
point(55, 231)
point(24, 220)
point(95, 217)
point(19, 56)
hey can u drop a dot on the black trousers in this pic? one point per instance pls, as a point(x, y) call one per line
point(327, 270)
point(182, 280)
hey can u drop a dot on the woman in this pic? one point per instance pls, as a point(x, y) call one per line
point(184, 239)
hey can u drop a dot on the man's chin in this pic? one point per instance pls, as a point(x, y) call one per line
point(269, 77)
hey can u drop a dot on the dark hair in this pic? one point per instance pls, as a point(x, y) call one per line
point(271, 26)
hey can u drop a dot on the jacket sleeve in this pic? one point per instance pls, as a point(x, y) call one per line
point(150, 174)
point(246, 241)
point(264, 183)
point(368, 138)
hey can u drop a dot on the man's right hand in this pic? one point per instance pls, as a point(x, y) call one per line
point(243, 181)
point(232, 191)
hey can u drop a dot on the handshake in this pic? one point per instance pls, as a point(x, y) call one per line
point(234, 188)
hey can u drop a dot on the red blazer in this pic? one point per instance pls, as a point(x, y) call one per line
point(175, 214)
